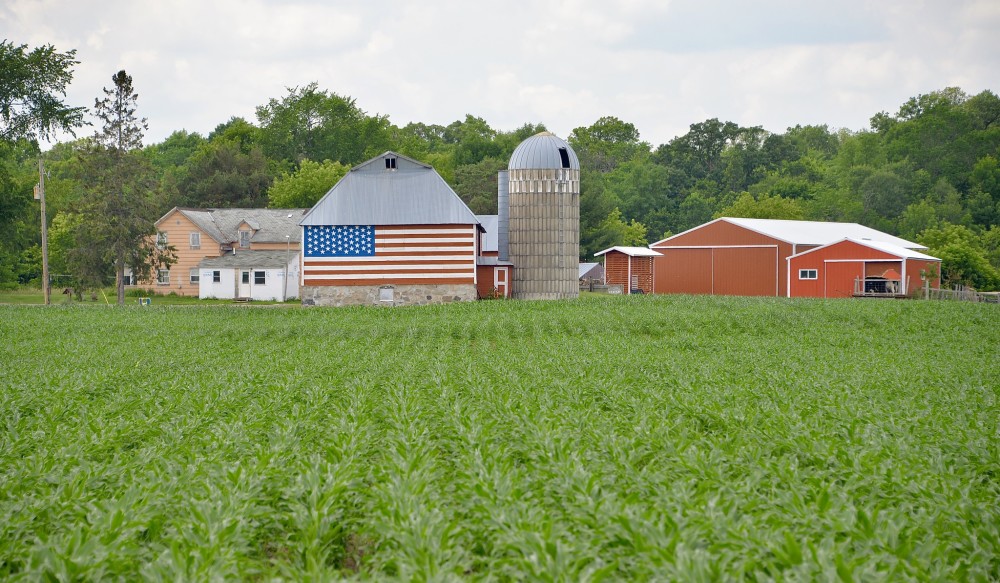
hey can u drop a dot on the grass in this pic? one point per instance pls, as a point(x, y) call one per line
point(29, 296)
point(611, 438)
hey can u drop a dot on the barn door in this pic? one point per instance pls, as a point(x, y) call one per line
point(500, 281)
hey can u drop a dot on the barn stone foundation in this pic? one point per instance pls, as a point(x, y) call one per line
point(386, 295)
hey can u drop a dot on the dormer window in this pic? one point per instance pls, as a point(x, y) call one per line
point(244, 239)
point(564, 157)
point(390, 163)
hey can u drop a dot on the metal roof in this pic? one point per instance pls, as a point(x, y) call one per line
point(270, 225)
point(492, 262)
point(901, 252)
point(251, 259)
point(809, 232)
point(631, 251)
point(491, 224)
point(410, 193)
point(586, 268)
point(541, 151)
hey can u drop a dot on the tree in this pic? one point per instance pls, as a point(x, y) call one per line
point(613, 230)
point(476, 184)
point(318, 125)
point(304, 187)
point(221, 174)
point(30, 86)
point(766, 207)
point(607, 144)
point(963, 257)
point(118, 217)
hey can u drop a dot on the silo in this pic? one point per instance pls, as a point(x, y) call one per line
point(544, 231)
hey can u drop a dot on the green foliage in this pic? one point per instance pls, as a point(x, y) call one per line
point(691, 438)
point(963, 257)
point(304, 187)
point(765, 207)
point(31, 83)
point(476, 184)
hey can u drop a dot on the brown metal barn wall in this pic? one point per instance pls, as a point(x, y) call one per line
point(616, 270)
point(839, 278)
point(733, 261)
point(643, 268)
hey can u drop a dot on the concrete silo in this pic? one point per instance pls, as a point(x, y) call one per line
point(543, 183)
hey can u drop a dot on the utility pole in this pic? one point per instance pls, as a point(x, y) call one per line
point(45, 233)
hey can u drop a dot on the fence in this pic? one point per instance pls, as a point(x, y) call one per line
point(961, 293)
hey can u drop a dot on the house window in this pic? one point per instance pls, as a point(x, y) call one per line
point(259, 277)
point(163, 276)
point(196, 240)
point(193, 275)
point(390, 163)
point(161, 240)
point(808, 274)
point(216, 276)
point(244, 239)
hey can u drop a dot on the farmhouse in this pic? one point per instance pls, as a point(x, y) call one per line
point(201, 234)
point(250, 275)
point(629, 267)
point(750, 257)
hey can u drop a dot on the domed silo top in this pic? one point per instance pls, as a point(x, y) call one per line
point(544, 150)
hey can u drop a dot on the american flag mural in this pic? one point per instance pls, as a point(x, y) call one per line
point(399, 254)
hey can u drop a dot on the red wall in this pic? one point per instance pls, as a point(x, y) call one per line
point(731, 260)
point(839, 264)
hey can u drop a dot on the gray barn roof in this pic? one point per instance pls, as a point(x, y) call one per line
point(372, 193)
point(541, 151)
point(270, 225)
point(490, 239)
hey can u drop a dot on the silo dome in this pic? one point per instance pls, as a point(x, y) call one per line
point(544, 150)
point(541, 192)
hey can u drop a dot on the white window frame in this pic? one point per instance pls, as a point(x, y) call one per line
point(194, 276)
point(162, 277)
point(216, 276)
point(194, 238)
point(245, 239)
point(259, 274)
point(161, 240)
point(808, 274)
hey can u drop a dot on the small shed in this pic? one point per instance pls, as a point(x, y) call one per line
point(860, 268)
point(250, 275)
point(591, 272)
point(629, 267)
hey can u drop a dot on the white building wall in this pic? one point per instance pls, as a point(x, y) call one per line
point(224, 290)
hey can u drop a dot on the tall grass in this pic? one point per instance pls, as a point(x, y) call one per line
point(604, 439)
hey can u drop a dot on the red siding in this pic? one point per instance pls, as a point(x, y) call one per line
point(839, 264)
point(493, 281)
point(618, 267)
point(723, 259)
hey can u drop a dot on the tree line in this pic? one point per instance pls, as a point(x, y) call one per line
point(928, 172)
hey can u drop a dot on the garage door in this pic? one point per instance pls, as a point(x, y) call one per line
point(746, 271)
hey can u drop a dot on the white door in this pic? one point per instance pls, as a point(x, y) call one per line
point(500, 281)
point(244, 285)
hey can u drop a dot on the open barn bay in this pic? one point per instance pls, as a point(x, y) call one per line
point(607, 438)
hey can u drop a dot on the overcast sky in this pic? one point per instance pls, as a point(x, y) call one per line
point(661, 65)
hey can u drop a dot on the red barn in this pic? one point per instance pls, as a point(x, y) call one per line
point(853, 267)
point(493, 275)
point(629, 267)
point(748, 257)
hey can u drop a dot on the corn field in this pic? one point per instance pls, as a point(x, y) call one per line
point(610, 438)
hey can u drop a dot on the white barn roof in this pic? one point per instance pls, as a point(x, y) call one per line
point(811, 232)
point(631, 251)
point(390, 190)
point(901, 252)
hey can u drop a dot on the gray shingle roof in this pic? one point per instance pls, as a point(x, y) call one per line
point(248, 259)
point(411, 193)
point(270, 225)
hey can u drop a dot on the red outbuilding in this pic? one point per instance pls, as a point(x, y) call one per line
point(629, 267)
point(747, 257)
point(852, 267)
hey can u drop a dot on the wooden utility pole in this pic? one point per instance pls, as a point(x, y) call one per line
point(45, 234)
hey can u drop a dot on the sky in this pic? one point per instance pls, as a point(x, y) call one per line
point(660, 65)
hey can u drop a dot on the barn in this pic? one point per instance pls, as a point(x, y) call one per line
point(391, 232)
point(629, 267)
point(853, 267)
point(748, 257)
point(493, 274)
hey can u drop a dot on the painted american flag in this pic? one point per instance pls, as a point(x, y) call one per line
point(397, 254)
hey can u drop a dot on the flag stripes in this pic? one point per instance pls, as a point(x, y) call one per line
point(424, 254)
